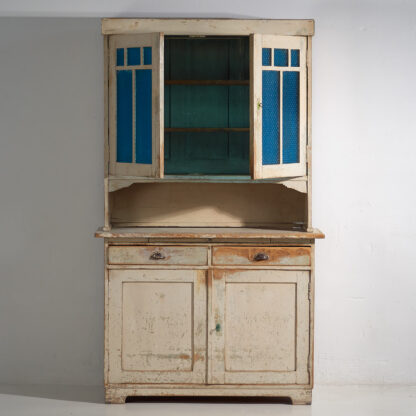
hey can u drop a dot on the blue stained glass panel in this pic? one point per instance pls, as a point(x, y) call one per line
point(266, 56)
point(270, 114)
point(133, 56)
point(124, 120)
point(147, 55)
point(143, 116)
point(280, 57)
point(294, 57)
point(290, 116)
point(120, 57)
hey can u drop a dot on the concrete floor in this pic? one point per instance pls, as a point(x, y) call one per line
point(88, 401)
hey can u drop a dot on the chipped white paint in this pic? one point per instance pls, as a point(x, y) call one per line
point(157, 326)
point(157, 255)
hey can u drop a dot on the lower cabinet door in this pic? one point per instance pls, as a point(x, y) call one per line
point(157, 326)
point(258, 327)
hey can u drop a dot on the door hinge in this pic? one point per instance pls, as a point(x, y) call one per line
point(309, 291)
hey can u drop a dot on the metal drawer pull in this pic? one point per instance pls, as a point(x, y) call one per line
point(261, 257)
point(157, 255)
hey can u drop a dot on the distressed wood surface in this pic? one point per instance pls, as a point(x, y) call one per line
point(171, 255)
point(120, 182)
point(155, 40)
point(208, 233)
point(239, 256)
point(117, 394)
point(258, 42)
point(157, 326)
point(208, 205)
point(261, 332)
point(309, 133)
point(208, 26)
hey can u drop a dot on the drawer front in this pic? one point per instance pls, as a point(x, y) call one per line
point(157, 255)
point(261, 256)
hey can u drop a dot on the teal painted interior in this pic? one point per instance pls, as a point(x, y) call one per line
point(207, 106)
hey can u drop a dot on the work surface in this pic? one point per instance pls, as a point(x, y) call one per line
point(208, 233)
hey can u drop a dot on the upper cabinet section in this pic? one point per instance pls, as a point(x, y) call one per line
point(231, 101)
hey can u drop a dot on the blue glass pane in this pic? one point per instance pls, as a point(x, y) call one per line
point(267, 56)
point(294, 57)
point(290, 117)
point(133, 56)
point(147, 55)
point(270, 114)
point(120, 57)
point(144, 116)
point(124, 116)
point(280, 57)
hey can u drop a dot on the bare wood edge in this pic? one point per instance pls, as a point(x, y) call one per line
point(309, 131)
point(107, 224)
point(207, 233)
point(255, 121)
point(311, 317)
point(107, 212)
point(160, 97)
point(116, 183)
point(106, 315)
point(106, 109)
point(192, 26)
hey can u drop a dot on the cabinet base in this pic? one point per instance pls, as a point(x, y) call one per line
point(117, 394)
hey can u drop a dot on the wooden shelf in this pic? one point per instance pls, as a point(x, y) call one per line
point(208, 233)
point(206, 82)
point(203, 129)
point(119, 182)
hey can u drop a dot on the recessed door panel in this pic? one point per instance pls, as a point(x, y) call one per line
point(259, 327)
point(157, 326)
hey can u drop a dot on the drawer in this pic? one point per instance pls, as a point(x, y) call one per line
point(261, 256)
point(155, 255)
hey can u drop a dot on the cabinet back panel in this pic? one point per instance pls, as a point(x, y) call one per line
point(207, 106)
point(208, 204)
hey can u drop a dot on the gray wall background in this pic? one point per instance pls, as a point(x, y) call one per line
point(51, 187)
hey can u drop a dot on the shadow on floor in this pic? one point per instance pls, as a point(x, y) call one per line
point(86, 394)
point(209, 399)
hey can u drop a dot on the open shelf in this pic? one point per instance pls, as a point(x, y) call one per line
point(207, 82)
point(204, 129)
point(119, 182)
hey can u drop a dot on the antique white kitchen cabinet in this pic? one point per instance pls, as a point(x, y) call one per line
point(209, 245)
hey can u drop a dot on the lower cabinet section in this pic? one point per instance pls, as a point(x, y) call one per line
point(157, 326)
point(212, 330)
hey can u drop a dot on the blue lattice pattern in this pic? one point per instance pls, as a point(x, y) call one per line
point(280, 57)
point(290, 117)
point(270, 115)
point(134, 57)
point(266, 56)
point(138, 84)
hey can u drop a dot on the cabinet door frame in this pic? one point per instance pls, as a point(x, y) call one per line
point(156, 42)
point(257, 43)
point(217, 373)
point(116, 278)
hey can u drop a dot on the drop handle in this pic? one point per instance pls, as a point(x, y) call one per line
point(261, 257)
point(157, 255)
